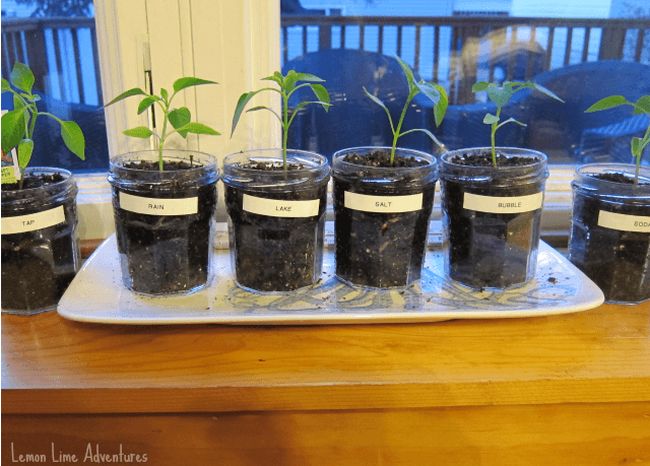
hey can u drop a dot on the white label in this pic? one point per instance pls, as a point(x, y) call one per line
point(33, 222)
point(280, 207)
point(383, 204)
point(624, 222)
point(503, 205)
point(156, 206)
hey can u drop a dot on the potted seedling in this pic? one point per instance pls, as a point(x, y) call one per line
point(40, 249)
point(610, 234)
point(164, 201)
point(383, 198)
point(492, 201)
point(276, 198)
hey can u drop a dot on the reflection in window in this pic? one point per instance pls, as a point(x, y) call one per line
point(57, 40)
point(582, 50)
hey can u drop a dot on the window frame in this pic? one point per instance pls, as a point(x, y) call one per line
point(247, 38)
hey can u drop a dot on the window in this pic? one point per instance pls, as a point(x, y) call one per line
point(582, 50)
point(57, 40)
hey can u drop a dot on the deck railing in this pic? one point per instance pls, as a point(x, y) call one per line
point(456, 50)
point(452, 50)
point(67, 41)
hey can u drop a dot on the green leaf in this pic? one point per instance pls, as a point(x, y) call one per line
point(13, 129)
point(375, 99)
point(322, 95)
point(642, 105)
point(636, 146)
point(190, 81)
point(179, 117)
point(500, 96)
point(547, 92)
point(436, 94)
point(146, 103)
point(73, 138)
point(18, 102)
point(490, 119)
point(125, 94)
point(408, 72)
point(308, 77)
point(425, 131)
point(262, 107)
point(430, 91)
point(304, 103)
point(275, 77)
point(440, 109)
point(239, 108)
point(294, 77)
point(164, 94)
point(198, 128)
point(258, 108)
point(607, 103)
point(22, 77)
point(511, 120)
point(138, 132)
point(25, 149)
point(5, 85)
point(480, 86)
point(378, 101)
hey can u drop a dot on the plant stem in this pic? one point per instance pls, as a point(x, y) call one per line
point(285, 127)
point(161, 139)
point(398, 129)
point(493, 138)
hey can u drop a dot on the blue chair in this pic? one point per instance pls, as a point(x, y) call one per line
point(353, 119)
point(568, 134)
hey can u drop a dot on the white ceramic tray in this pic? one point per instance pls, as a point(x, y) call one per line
point(97, 295)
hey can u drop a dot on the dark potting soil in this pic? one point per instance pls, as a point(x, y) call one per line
point(32, 182)
point(165, 254)
point(380, 250)
point(617, 261)
point(484, 159)
point(381, 158)
point(489, 249)
point(272, 166)
point(38, 266)
point(150, 165)
point(276, 253)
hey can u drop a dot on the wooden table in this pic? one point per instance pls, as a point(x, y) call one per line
point(571, 389)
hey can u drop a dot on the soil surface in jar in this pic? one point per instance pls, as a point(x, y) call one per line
point(276, 253)
point(374, 249)
point(490, 249)
point(38, 266)
point(165, 254)
point(617, 261)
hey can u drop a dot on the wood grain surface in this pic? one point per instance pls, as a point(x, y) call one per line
point(50, 365)
point(571, 389)
point(574, 434)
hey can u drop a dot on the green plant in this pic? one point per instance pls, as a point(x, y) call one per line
point(432, 91)
point(179, 118)
point(641, 106)
point(18, 125)
point(500, 96)
point(288, 85)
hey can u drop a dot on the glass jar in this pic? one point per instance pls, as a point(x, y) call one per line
point(40, 247)
point(610, 229)
point(491, 217)
point(382, 217)
point(276, 218)
point(164, 220)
